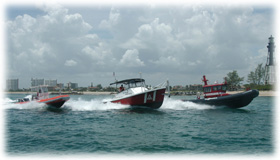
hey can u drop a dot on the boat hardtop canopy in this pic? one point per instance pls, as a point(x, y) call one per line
point(129, 81)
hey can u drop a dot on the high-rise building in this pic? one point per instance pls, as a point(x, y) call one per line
point(72, 85)
point(12, 84)
point(60, 85)
point(36, 82)
point(51, 83)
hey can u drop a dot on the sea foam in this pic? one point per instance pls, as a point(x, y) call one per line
point(177, 104)
point(29, 105)
point(90, 105)
point(81, 104)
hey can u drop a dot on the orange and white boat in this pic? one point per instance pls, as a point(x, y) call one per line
point(42, 96)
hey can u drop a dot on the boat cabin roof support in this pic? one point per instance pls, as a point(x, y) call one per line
point(129, 81)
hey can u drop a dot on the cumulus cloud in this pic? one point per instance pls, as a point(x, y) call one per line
point(46, 43)
point(131, 59)
point(148, 34)
point(182, 40)
point(113, 20)
point(200, 38)
point(70, 63)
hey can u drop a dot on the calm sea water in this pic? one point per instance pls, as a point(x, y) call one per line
point(86, 125)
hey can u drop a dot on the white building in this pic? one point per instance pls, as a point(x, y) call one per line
point(36, 82)
point(51, 83)
point(72, 85)
point(12, 84)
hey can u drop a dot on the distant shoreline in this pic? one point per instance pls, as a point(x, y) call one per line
point(262, 93)
point(74, 93)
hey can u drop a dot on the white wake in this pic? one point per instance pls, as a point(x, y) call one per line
point(177, 104)
point(94, 104)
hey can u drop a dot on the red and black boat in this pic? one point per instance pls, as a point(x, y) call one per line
point(216, 95)
point(42, 96)
point(133, 92)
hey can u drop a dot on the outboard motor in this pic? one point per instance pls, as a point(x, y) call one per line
point(25, 99)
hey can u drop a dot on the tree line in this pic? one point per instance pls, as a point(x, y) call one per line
point(255, 79)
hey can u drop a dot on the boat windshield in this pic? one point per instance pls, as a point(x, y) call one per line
point(207, 89)
point(224, 87)
point(131, 83)
point(134, 84)
point(215, 88)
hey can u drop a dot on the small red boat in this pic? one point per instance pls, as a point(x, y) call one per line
point(134, 92)
point(42, 96)
point(215, 94)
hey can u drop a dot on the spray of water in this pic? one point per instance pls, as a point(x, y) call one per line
point(97, 104)
point(176, 104)
point(8, 100)
point(30, 105)
point(84, 105)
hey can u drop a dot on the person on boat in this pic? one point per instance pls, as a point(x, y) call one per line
point(38, 94)
point(198, 95)
point(121, 88)
point(33, 97)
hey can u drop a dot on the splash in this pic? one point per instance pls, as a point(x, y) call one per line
point(177, 104)
point(81, 104)
point(94, 104)
point(30, 105)
point(8, 100)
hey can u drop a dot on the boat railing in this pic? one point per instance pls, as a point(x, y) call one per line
point(164, 85)
point(161, 85)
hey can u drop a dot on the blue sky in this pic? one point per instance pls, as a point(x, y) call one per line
point(13, 11)
point(87, 43)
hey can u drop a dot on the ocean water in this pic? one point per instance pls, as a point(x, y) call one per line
point(84, 125)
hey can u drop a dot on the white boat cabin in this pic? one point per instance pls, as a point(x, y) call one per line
point(130, 86)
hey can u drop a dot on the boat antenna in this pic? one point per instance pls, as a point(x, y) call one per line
point(225, 80)
point(115, 80)
point(115, 76)
point(168, 88)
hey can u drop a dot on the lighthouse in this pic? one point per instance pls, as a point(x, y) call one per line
point(270, 77)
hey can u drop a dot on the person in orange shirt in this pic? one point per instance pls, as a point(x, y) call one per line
point(121, 88)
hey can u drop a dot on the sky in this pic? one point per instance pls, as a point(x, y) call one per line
point(86, 43)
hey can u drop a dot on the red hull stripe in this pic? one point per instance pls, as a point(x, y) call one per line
point(53, 100)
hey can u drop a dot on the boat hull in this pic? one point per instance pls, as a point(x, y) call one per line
point(151, 99)
point(233, 101)
point(55, 102)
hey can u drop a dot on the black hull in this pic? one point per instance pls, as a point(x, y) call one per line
point(57, 104)
point(233, 101)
